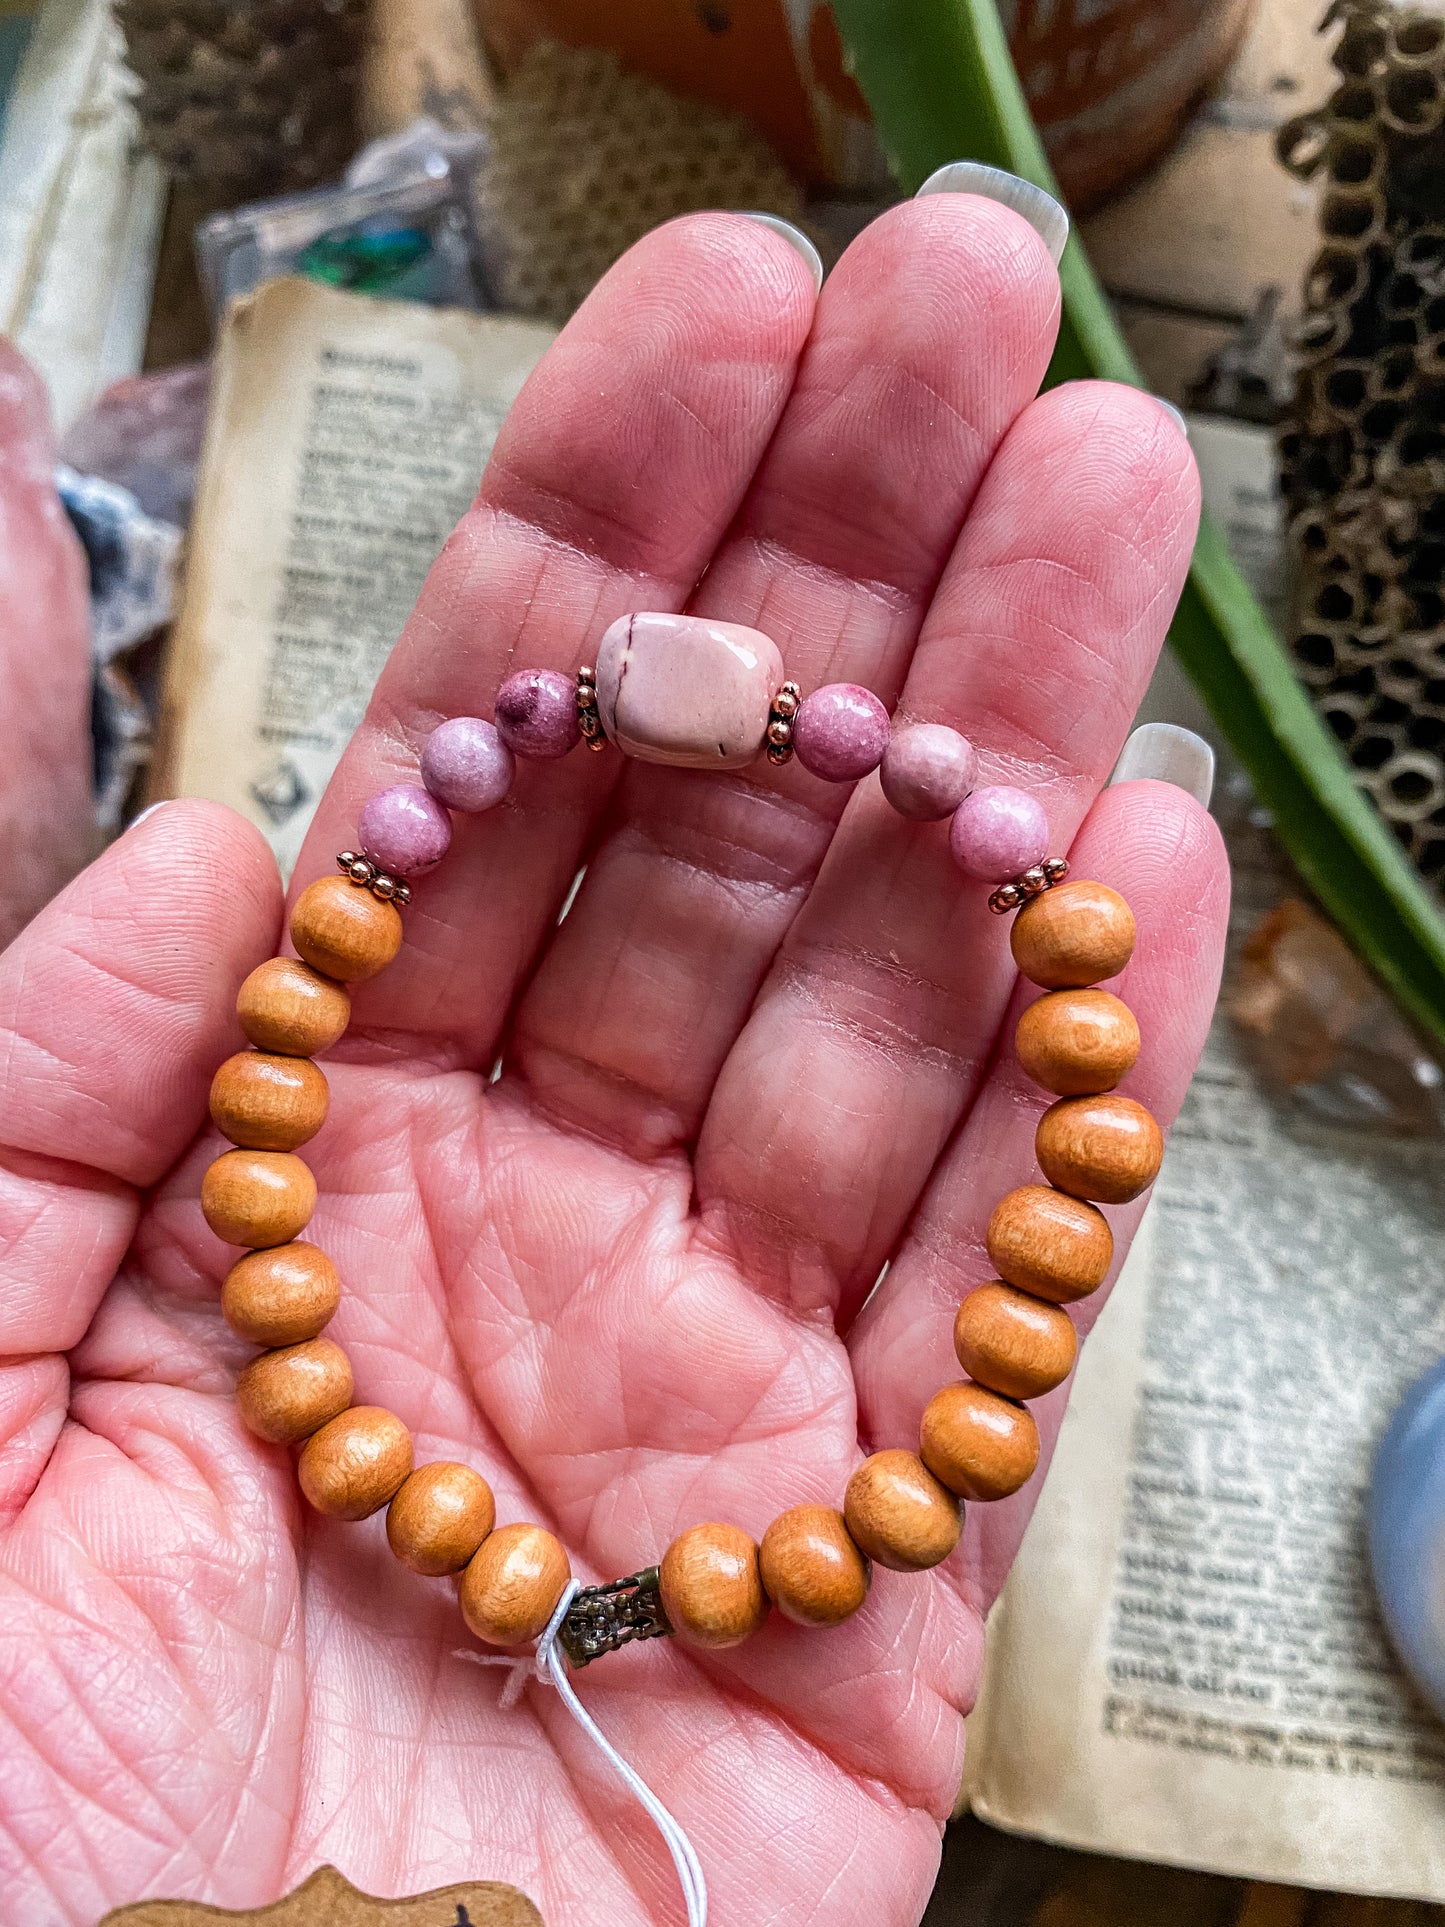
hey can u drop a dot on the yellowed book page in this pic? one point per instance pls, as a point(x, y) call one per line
point(346, 438)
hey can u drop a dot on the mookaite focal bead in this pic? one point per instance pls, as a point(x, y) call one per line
point(1076, 934)
point(404, 830)
point(353, 1465)
point(512, 1584)
point(287, 1395)
point(1014, 1343)
point(1077, 1043)
point(439, 1517)
point(466, 765)
point(1106, 1148)
point(980, 1445)
point(812, 1571)
point(685, 691)
point(899, 1514)
point(536, 712)
point(840, 732)
point(344, 931)
point(282, 1296)
point(258, 1198)
point(927, 770)
point(285, 1005)
point(711, 1589)
point(1057, 1247)
point(998, 832)
point(268, 1102)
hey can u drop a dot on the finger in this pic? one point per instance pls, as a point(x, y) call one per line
point(872, 1034)
point(932, 333)
point(1161, 850)
point(116, 1005)
point(619, 467)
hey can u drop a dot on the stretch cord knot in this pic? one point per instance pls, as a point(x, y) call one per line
point(548, 1665)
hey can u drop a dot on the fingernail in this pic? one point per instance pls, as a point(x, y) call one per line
point(149, 810)
point(1169, 754)
point(1177, 413)
point(795, 238)
point(1040, 210)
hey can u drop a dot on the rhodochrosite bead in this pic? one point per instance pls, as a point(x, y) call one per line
point(1013, 1342)
point(404, 830)
point(980, 1445)
point(466, 765)
point(439, 1517)
point(1055, 1246)
point(899, 1514)
point(282, 1296)
point(536, 712)
point(343, 930)
point(351, 1467)
point(685, 691)
point(1076, 934)
point(711, 1589)
point(998, 832)
point(1106, 1148)
point(927, 770)
point(840, 732)
point(285, 1005)
point(811, 1569)
point(512, 1584)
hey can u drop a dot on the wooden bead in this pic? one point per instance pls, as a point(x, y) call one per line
point(899, 1514)
point(1057, 1247)
point(354, 1465)
point(811, 1569)
point(282, 1296)
point(268, 1103)
point(711, 1589)
point(1077, 1043)
point(285, 1005)
point(258, 1198)
point(439, 1517)
point(980, 1445)
point(1013, 1342)
point(287, 1395)
point(1078, 933)
point(343, 930)
point(512, 1584)
point(1105, 1148)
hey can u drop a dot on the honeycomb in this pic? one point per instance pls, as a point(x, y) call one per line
point(586, 158)
point(1363, 451)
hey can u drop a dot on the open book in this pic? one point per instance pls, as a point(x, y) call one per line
point(1186, 1664)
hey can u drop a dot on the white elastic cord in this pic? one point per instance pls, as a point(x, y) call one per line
point(548, 1665)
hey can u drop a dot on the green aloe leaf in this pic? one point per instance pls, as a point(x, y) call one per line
point(941, 83)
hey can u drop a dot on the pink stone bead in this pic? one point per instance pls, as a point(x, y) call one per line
point(466, 765)
point(403, 830)
point(536, 713)
point(927, 771)
point(997, 833)
point(840, 732)
point(685, 691)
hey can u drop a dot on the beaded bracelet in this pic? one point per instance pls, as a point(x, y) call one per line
point(702, 695)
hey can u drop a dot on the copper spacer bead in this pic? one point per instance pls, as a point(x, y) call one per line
point(599, 741)
point(1033, 881)
point(1055, 869)
point(787, 701)
point(384, 887)
point(780, 732)
point(780, 753)
point(1008, 896)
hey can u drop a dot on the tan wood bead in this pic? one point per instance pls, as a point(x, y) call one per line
point(512, 1584)
point(439, 1517)
point(285, 1005)
point(282, 1296)
point(1057, 1247)
point(1078, 933)
point(287, 1395)
point(812, 1571)
point(268, 1103)
point(1077, 1043)
point(980, 1445)
point(712, 1591)
point(1014, 1343)
point(1108, 1148)
point(258, 1198)
point(355, 1463)
point(343, 930)
point(899, 1514)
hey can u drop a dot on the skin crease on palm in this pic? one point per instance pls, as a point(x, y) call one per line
point(765, 1053)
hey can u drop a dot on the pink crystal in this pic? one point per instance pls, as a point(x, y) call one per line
point(840, 732)
point(997, 833)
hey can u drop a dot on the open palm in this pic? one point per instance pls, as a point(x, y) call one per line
point(763, 1054)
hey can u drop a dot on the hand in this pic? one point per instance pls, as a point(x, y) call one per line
point(766, 1051)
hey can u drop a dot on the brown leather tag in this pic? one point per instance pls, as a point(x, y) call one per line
point(326, 1900)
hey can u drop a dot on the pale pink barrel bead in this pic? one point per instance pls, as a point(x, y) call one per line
point(466, 765)
point(927, 770)
point(998, 832)
point(536, 712)
point(405, 831)
point(840, 732)
point(685, 691)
